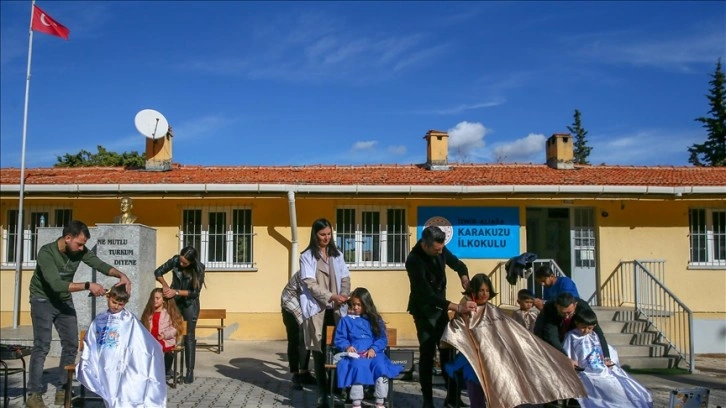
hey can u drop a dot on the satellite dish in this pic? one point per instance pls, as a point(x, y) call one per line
point(151, 124)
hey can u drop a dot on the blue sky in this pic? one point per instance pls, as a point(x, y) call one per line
point(302, 83)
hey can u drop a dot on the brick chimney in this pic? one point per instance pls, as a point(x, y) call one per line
point(437, 150)
point(560, 151)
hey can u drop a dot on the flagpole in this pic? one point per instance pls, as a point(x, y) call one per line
point(19, 228)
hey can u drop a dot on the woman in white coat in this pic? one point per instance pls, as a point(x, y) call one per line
point(326, 288)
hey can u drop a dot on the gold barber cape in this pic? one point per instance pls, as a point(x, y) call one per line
point(513, 365)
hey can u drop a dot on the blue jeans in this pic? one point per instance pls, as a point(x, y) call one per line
point(45, 314)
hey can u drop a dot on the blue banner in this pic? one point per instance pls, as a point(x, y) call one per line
point(475, 232)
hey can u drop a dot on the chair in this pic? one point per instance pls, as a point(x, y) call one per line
point(70, 371)
point(330, 367)
point(13, 352)
point(178, 351)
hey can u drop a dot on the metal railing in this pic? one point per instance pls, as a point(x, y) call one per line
point(638, 284)
point(507, 294)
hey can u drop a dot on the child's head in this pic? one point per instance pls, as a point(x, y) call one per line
point(525, 299)
point(585, 321)
point(360, 302)
point(156, 299)
point(480, 289)
point(117, 298)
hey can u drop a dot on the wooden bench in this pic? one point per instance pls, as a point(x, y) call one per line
point(213, 314)
point(71, 370)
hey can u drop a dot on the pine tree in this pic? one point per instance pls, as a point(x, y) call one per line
point(103, 158)
point(712, 152)
point(581, 149)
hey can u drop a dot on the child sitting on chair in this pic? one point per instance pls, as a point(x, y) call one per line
point(607, 384)
point(362, 334)
point(163, 319)
point(527, 313)
point(121, 360)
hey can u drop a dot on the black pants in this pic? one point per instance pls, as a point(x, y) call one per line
point(297, 356)
point(429, 330)
point(190, 314)
point(319, 356)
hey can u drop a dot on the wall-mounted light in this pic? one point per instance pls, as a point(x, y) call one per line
point(604, 214)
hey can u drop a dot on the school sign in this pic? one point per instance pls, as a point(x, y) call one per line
point(475, 232)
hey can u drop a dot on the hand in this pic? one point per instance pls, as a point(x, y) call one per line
point(351, 349)
point(466, 306)
point(539, 303)
point(338, 299)
point(465, 282)
point(168, 292)
point(124, 280)
point(370, 353)
point(96, 290)
point(574, 364)
point(609, 362)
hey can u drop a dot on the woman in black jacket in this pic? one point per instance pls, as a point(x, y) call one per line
point(186, 284)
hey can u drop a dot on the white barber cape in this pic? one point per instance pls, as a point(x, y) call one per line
point(122, 362)
point(606, 386)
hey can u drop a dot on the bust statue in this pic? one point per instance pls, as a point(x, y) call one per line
point(126, 217)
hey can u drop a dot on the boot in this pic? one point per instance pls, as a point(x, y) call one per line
point(35, 401)
point(190, 350)
point(189, 377)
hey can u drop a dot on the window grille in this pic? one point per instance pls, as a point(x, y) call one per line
point(707, 237)
point(372, 237)
point(33, 218)
point(221, 244)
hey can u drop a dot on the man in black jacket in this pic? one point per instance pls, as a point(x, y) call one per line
point(556, 320)
point(427, 303)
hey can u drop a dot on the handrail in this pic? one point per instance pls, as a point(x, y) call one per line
point(633, 285)
point(507, 294)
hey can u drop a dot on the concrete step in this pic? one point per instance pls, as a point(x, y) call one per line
point(640, 351)
point(647, 362)
point(611, 326)
point(636, 326)
point(645, 338)
point(605, 314)
point(619, 339)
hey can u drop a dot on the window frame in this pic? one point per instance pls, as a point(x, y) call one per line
point(240, 230)
point(709, 240)
point(32, 217)
point(357, 226)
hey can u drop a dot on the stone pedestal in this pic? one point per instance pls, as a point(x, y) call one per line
point(130, 248)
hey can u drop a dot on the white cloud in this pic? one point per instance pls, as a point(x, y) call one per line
point(636, 148)
point(458, 109)
point(397, 150)
point(364, 145)
point(527, 149)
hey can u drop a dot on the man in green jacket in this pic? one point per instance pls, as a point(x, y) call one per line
point(51, 303)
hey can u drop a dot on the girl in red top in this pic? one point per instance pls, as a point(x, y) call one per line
point(162, 318)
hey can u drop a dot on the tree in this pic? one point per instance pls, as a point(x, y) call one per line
point(581, 149)
point(712, 152)
point(103, 158)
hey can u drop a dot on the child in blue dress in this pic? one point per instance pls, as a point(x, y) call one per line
point(362, 335)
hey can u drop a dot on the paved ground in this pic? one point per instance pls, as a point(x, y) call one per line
point(253, 374)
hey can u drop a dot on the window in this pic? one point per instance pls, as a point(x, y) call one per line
point(372, 238)
point(221, 244)
point(33, 218)
point(708, 237)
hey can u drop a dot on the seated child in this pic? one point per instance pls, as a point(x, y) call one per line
point(527, 313)
point(121, 360)
point(607, 385)
point(362, 334)
point(162, 318)
point(500, 360)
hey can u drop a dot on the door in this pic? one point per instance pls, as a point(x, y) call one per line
point(584, 247)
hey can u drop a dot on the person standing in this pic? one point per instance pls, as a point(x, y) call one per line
point(326, 286)
point(427, 304)
point(186, 284)
point(51, 303)
point(552, 285)
point(297, 356)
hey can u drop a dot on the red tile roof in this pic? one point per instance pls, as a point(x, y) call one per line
point(458, 175)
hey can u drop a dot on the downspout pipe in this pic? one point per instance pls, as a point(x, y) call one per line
point(293, 232)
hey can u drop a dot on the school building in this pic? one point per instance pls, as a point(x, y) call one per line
point(614, 229)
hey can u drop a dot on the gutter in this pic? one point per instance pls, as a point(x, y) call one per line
point(362, 189)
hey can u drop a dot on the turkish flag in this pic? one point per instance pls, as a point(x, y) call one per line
point(45, 24)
